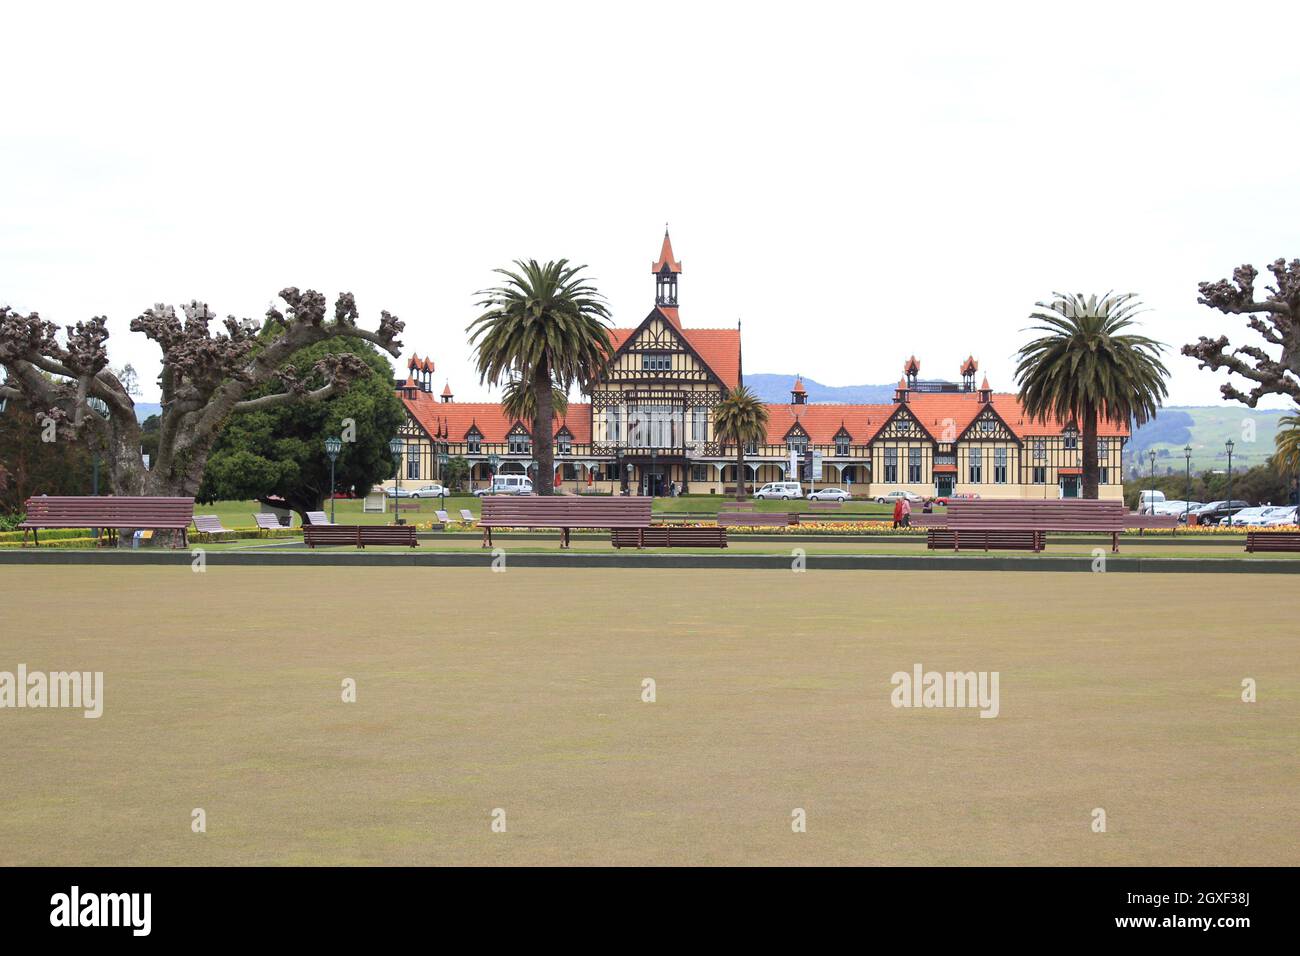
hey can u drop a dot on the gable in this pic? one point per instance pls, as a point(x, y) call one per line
point(988, 426)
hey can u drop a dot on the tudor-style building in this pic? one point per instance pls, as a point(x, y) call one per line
point(648, 424)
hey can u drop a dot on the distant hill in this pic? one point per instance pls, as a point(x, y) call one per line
point(144, 409)
point(1205, 427)
point(776, 389)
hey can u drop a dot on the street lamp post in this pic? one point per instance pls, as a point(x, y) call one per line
point(1151, 503)
point(443, 459)
point(1187, 505)
point(1229, 445)
point(395, 447)
point(332, 448)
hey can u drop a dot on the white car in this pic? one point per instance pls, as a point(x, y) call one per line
point(431, 491)
point(1281, 516)
point(508, 485)
point(829, 494)
point(785, 490)
point(1249, 517)
point(893, 496)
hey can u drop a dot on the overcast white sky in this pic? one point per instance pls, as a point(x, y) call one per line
point(856, 184)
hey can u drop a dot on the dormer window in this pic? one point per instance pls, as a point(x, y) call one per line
point(519, 442)
point(798, 443)
point(986, 426)
point(474, 442)
point(842, 442)
point(563, 443)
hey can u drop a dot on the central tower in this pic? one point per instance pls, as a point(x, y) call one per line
point(666, 271)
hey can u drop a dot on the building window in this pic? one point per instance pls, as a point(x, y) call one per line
point(1040, 475)
point(613, 425)
point(563, 443)
point(999, 466)
point(842, 445)
point(412, 461)
point(914, 464)
point(699, 472)
point(656, 361)
point(1103, 447)
point(699, 424)
point(891, 465)
point(1071, 441)
point(986, 426)
point(976, 466)
point(751, 448)
point(1104, 477)
point(520, 445)
point(1040, 449)
point(474, 443)
point(797, 443)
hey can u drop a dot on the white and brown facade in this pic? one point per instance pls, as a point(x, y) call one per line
point(648, 424)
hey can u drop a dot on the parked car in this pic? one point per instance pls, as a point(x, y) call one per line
point(893, 496)
point(1281, 516)
point(964, 496)
point(1249, 517)
point(507, 485)
point(434, 490)
point(829, 494)
point(395, 492)
point(1215, 511)
point(1148, 498)
point(1175, 507)
point(784, 490)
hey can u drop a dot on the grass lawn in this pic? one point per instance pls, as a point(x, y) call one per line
point(521, 691)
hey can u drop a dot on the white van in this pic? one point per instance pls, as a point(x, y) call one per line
point(508, 485)
point(1148, 498)
point(780, 489)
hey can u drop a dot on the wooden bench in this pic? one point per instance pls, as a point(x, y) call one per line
point(1040, 517)
point(359, 535)
point(668, 536)
point(209, 525)
point(1142, 522)
point(1272, 541)
point(756, 519)
point(108, 514)
point(317, 518)
point(943, 539)
point(563, 512)
point(466, 516)
point(400, 505)
point(267, 522)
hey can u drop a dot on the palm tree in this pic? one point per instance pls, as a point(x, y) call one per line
point(547, 328)
point(519, 402)
point(1286, 444)
point(740, 418)
point(1083, 369)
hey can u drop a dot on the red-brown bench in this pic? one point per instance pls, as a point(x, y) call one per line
point(564, 512)
point(358, 535)
point(108, 514)
point(668, 536)
point(1024, 524)
point(765, 519)
point(1272, 541)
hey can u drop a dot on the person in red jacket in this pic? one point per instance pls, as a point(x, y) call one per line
point(898, 512)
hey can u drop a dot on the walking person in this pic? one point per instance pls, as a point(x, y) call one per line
point(898, 513)
point(907, 513)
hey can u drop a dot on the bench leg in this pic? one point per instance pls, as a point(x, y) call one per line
point(640, 539)
point(1114, 542)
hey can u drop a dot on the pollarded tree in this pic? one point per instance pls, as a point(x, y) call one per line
point(205, 378)
point(1276, 318)
point(1086, 367)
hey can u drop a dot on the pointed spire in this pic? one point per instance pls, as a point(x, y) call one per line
point(666, 259)
point(912, 366)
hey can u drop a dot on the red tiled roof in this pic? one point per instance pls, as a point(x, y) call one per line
point(719, 348)
point(666, 257)
point(492, 423)
point(1009, 408)
point(822, 422)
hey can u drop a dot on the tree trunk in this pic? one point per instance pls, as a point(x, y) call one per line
point(740, 471)
point(1091, 471)
point(543, 449)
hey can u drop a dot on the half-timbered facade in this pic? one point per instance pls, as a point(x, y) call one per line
point(647, 427)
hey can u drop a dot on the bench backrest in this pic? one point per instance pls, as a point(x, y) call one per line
point(1133, 520)
point(566, 511)
point(268, 521)
point(1019, 514)
point(466, 514)
point(317, 517)
point(726, 518)
point(921, 520)
point(442, 516)
point(109, 512)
